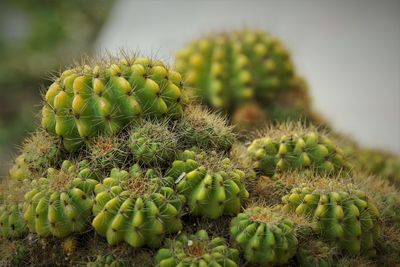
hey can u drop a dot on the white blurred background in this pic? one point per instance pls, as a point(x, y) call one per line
point(348, 50)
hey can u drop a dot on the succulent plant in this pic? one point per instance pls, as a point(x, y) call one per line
point(197, 250)
point(61, 203)
point(345, 217)
point(266, 237)
point(86, 101)
point(315, 253)
point(136, 208)
point(211, 185)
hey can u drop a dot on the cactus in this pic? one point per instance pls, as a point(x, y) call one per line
point(39, 152)
point(197, 250)
point(86, 101)
point(293, 152)
point(153, 143)
point(345, 217)
point(105, 261)
point(231, 69)
point(136, 208)
point(61, 203)
point(204, 129)
point(266, 238)
point(315, 253)
point(211, 185)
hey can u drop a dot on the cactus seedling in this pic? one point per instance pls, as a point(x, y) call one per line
point(293, 152)
point(266, 238)
point(347, 218)
point(86, 101)
point(136, 208)
point(61, 203)
point(211, 185)
point(197, 250)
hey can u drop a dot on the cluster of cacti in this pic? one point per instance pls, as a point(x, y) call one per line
point(197, 250)
point(235, 71)
point(128, 164)
point(346, 217)
point(297, 152)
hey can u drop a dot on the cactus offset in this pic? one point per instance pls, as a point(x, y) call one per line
point(315, 253)
point(197, 250)
point(345, 217)
point(86, 101)
point(211, 185)
point(136, 208)
point(265, 237)
point(61, 203)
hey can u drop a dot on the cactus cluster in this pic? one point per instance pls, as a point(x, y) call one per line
point(125, 164)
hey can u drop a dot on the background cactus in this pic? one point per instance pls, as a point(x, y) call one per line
point(265, 236)
point(134, 207)
point(230, 69)
point(315, 253)
point(197, 250)
point(211, 185)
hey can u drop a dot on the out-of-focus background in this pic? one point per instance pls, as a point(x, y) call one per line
point(348, 51)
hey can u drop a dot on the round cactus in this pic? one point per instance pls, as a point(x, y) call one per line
point(265, 237)
point(153, 143)
point(61, 203)
point(230, 68)
point(314, 253)
point(346, 217)
point(197, 250)
point(20, 170)
point(309, 151)
point(211, 185)
point(136, 208)
point(86, 101)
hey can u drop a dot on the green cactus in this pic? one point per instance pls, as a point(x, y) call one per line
point(39, 152)
point(136, 208)
point(197, 250)
point(89, 100)
point(153, 143)
point(211, 185)
point(105, 261)
point(61, 203)
point(266, 238)
point(292, 152)
point(204, 129)
point(230, 68)
point(345, 217)
point(315, 253)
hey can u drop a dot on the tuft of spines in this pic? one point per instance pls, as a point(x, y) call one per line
point(61, 203)
point(347, 218)
point(197, 250)
point(265, 236)
point(86, 101)
point(310, 150)
point(134, 207)
point(211, 185)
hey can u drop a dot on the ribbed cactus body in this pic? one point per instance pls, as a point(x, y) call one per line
point(20, 170)
point(153, 143)
point(210, 192)
point(135, 208)
point(314, 254)
point(347, 218)
point(61, 203)
point(266, 238)
point(87, 101)
point(197, 250)
point(12, 224)
point(310, 151)
point(229, 69)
